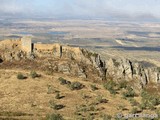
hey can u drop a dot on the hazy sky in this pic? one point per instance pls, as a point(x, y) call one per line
point(111, 9)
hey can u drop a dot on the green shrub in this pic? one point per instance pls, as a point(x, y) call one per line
point(64, 81)
point(76, 86)
point(121, 107)
point(144, 94)
point(134, 110)
point(110, 86)
point(51, 90)
point(151, 107)
point(100, 99)
point(149, 100)
point(55, 106)
point(142, 106)
point(112, 91)
point(133, 102)
point(54, 117)
point(122, 84)
point(58, 96)
point(20, 76)
point(93, 87)
point(106, 117)
point(158, 112)
point(33, 74)
point(129, 93)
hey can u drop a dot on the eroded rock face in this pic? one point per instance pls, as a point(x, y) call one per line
point(14, 55)
point(82, 63)
point(127, 70)
point(121, 69)
point(67, 67)
point(99, 65)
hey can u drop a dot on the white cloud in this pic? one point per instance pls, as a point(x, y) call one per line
point(120, 9)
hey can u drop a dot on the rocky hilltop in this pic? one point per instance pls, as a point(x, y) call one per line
point(77, 62)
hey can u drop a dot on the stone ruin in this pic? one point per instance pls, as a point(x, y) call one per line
point(26, 43)
point(78, 62)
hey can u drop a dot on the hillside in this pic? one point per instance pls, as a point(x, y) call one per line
point(30, 98)
point(40, 79)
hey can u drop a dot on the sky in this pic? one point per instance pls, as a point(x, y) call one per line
point(92, 9)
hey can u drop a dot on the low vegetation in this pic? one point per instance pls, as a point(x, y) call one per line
point(111, 86)
point(86, 111)
point(89, 103)
point(101, 99)
point(20, 76)
point(55, 106)
point(51, 89)
point(34, 74)
point(58, 95)
point(149, 101)
point(134, 110)
point(72, 85)
point(64, 81)
point(93, 87)
point(129, 92)
point(76, 86)
point(54, 117)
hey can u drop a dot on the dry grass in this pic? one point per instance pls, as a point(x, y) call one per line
point(28, 99)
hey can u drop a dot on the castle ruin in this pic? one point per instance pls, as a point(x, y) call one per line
point(54, 50)
point(26, 43)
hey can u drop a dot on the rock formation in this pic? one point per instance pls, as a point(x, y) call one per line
point(79, 62)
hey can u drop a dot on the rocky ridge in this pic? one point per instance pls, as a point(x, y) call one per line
point(83, 63)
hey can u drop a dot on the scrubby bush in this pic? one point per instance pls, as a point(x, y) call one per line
point(93, 87)
point(133, 102)
point(110, 86)
point(121, 107)
point(134, 110)
point(129, 93)
point(86, 110)
point(58, 96)
point(51, 89)
point(20, 76)
point(158, 112)
point(54, 117)
point(100, 99)
point(112, 91)
point(142, 106)
point(122, 84)
point(64, 81)
point(106, 117)
point(34, 74)
point(148, 100)
point(76, 86)
point(55, 106)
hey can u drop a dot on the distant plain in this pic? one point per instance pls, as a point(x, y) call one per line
point(136, 41)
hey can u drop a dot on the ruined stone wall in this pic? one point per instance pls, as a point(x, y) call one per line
point(43, 49)
point(49, 47)
point(10, 44)
point(58, 50)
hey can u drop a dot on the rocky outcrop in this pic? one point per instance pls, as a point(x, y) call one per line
point(67, 67)
point(82, 63)
point(16, 55)
point(121, 69)
point(127, 70)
